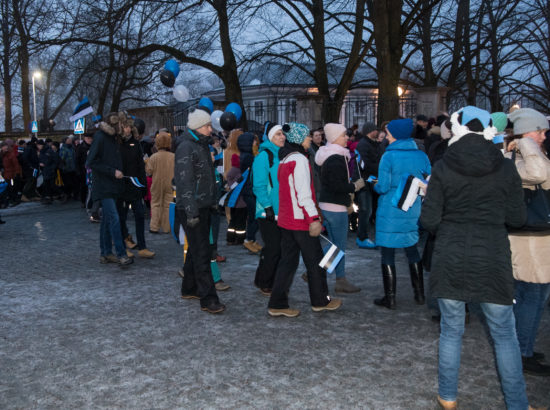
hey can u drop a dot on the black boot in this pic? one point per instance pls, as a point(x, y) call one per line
point(417, 281)
point(388, 275)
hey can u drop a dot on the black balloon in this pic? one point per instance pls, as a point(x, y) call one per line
point(167, 78)
point(228, 121)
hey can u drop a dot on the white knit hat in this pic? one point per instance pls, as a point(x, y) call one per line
point(333, 131)
point(197, 119)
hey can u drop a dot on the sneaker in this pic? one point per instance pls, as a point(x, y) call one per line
point(258, 246)
point(343, 286)
point(222, 286)
point(190, 296)
point(108, 259)
point(265, 291)
point(129, 254)
point(125, 261)
point(153, 232)
point(214, 307)
point(533, 367)
point(146, 253)
point(365, 244)
point(25, 199)
point(220, 259)
point(95, 218)
point(130, 244)
point(251, 246)
point(333, 304)
point(446, 405)
point(288, 312)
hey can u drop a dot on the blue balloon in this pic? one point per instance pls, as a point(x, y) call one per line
point(207, 102)
point(235, 109)
point(172, 65)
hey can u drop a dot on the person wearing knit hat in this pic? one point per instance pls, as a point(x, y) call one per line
point(500, 120)
point(529, 262)
point(300, 227)
point(334, 198)
point(474, 195)
point(396, 228)
point(265, 186)
point(196, 197)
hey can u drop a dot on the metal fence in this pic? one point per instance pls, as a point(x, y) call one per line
point(358, 110)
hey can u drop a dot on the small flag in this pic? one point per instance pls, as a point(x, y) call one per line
point(407, 192)
point(372, 179)
point(332, 257)
point(83, 108)
point(135, 181)
point(175, 225)
point(359, 161)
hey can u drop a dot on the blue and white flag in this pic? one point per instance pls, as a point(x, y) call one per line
point(83, 108)
point(332, 257)
point(135, 181)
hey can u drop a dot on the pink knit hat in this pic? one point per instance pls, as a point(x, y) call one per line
point(333, 131)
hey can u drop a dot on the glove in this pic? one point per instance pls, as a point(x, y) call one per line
point(359, 184)
point(315, 229)
point(269, 214)
point(191, 223)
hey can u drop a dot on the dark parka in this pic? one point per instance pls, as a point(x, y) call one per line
point(473, 193)
point(194, 174)
point(104, 159)
point(133, 166)
point(335, 185)
point(370, 152)
point(50, 159)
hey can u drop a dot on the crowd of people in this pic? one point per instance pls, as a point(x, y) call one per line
point(295, 186)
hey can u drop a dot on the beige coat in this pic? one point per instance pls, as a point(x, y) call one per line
point(531, 251)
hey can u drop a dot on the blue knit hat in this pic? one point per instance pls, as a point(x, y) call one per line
point(401, 129)
point(295, 132)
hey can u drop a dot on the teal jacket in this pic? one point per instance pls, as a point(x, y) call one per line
point(266, 189)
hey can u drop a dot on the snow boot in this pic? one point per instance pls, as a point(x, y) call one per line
point(343, 286)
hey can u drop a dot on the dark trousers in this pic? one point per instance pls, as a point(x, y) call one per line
point(388, 255)
point(70, 184)
point(48, 188)
point(270, 255)
point(364, 201)
point(29, 188)
point(236, 229)
point(197, 279)
point(215, 227)
point(292, 243)
point(139, 216)
point(251, 222)
point(83, 187)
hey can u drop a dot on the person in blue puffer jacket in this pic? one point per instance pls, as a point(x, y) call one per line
point(396, 228)
point(266, 189)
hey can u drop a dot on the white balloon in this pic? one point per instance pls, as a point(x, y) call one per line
point(181, 93)
point(215, 117)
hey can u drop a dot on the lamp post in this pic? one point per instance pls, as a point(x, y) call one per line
point(36, 74)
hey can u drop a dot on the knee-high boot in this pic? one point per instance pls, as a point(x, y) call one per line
point(417, 281)
point(388, 275)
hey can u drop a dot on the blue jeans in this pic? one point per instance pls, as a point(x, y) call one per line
point(109, 231)
point(337, 229)
point(364, 201)
point(388, 255)
point(500, 319)
point(530, 302)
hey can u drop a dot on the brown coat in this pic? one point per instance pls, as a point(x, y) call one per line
point(161, 167)
point(531, 251)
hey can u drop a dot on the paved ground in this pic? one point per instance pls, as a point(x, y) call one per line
point(77, 334)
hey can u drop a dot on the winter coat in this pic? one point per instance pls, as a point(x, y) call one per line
point(29, 160)
point(370, 152)
point(437, 150)
point(10, 163)
point(245, 142)
point(335, 182)
point(530, 256)
point(81, 155)
point(133, 166)
point(50, 159)
point(104, 159)
point(473, 193)
point(68, 158)
point(161, 167)
point(396, 228)
point(433, 135)
point(297, 206)
point(265, 182)
point(194, 174)
point(315, 169)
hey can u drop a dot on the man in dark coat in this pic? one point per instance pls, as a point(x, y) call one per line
point(132, 195)
point(48, 161)
point(81, 156)
point(473, 194)
point(369, 153)
point(105, 161)
point(196, 199)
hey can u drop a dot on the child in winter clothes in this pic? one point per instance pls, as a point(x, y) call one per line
point(300, 228)
point(334, 198)
point(161, 167)
point(236, 229)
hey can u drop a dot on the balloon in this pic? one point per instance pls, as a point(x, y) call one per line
point(172, 65)
point(235, 109)
point(228, 121)
point(207, 103)
point(167, 78)
point(181, 93)
point(215, 117)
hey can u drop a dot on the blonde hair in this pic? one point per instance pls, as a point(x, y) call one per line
point(231, 149)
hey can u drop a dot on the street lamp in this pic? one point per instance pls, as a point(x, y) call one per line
point(36, 74)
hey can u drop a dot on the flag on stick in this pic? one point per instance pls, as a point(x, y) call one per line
point(332, 257)
point(135, 181)
point(83, 108)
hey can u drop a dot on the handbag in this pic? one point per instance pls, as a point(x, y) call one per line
point(537, 202)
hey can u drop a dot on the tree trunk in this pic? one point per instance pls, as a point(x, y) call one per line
point(6, 73)
point(24, 63)
point(462, 20)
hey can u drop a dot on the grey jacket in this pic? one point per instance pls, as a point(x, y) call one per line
point(194, 174)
